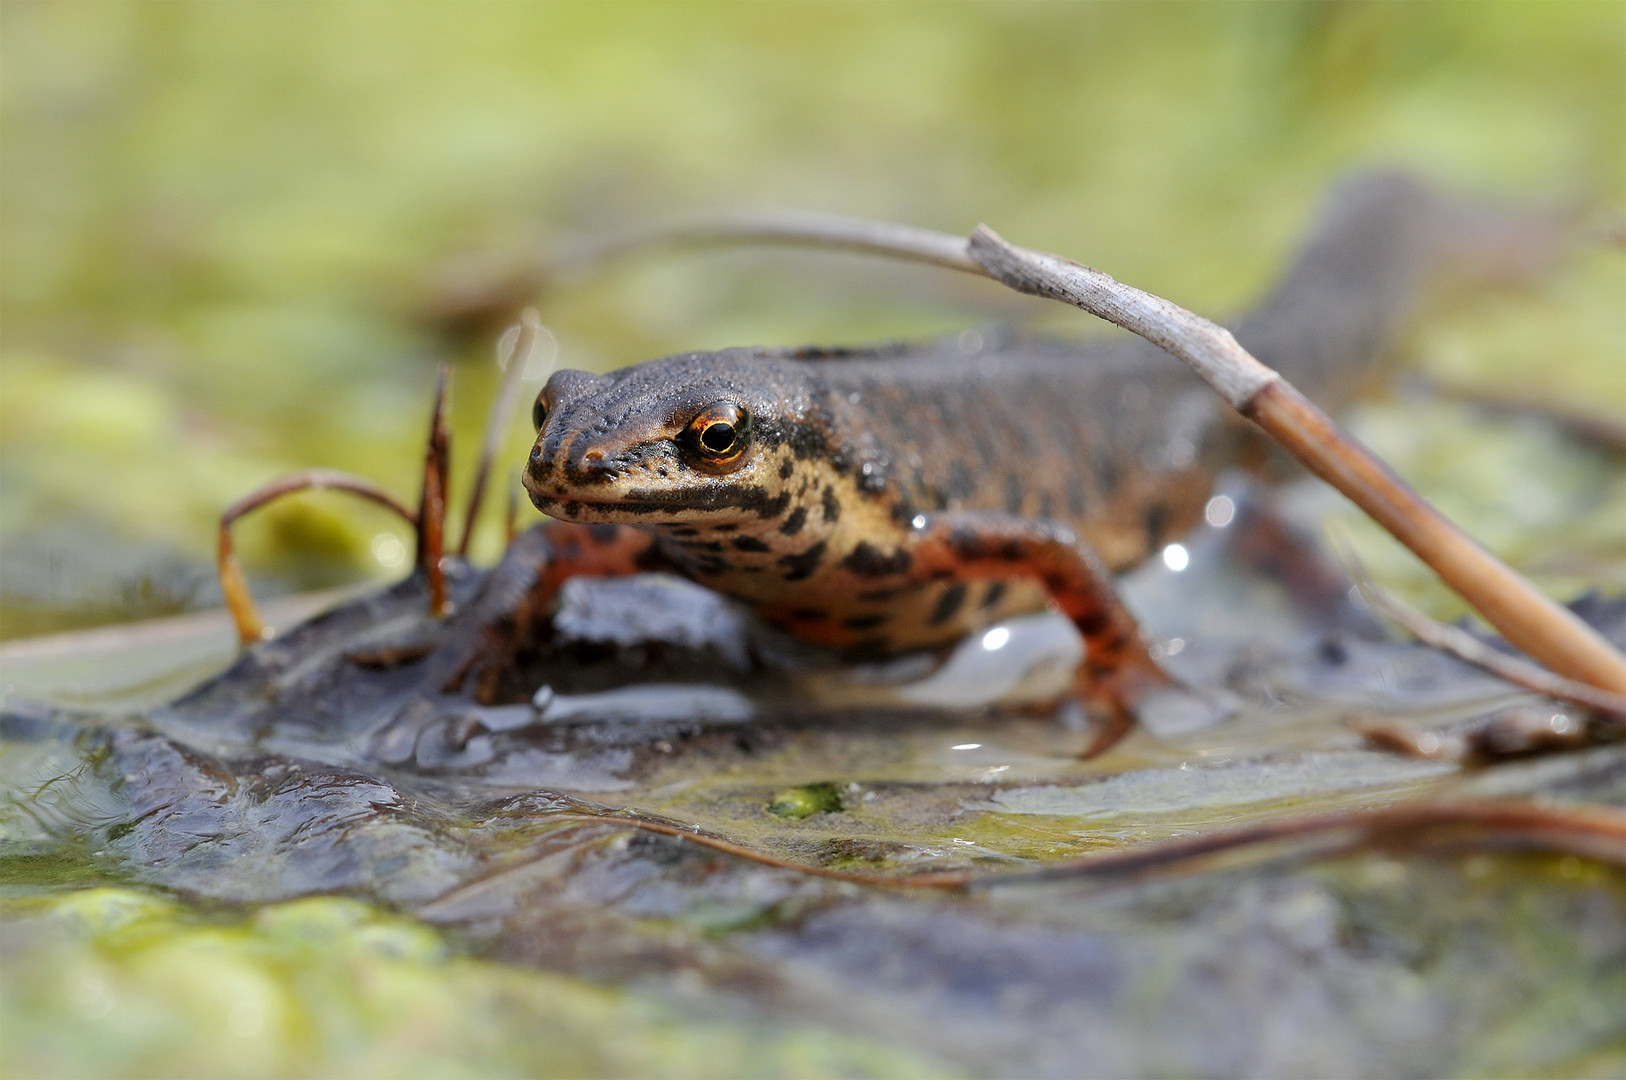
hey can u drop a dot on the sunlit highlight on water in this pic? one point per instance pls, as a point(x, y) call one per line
point(389, 551)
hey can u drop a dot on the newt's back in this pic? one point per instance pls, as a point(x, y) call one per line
point(1118, 439)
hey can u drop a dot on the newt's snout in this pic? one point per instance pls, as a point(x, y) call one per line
point(565, 470)
point(578, 455)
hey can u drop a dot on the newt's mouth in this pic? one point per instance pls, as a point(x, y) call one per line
point(573, 507)
point(731, 499)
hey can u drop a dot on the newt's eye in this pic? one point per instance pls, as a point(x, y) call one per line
point(720, 433)
point(539, 412)
point(719, 437)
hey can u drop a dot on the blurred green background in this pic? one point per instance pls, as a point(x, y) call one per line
point(221, 226)
point(224, 233)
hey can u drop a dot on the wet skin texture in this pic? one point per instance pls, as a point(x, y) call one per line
point(889, 499)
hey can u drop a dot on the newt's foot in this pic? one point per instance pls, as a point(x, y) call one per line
point(1115, 689)
point(513, 611)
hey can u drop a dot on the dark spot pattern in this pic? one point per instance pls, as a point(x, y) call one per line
point(995, 593)
point(772, 507)
point(830, 504)
point(699, 564)
point(749, 543)
point(863, 622)
point(866, 560)
point(800, 567)
point(793, 524)
point(948, 605)
point(969, 543)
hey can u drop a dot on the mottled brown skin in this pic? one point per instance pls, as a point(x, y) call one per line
point(898, 498)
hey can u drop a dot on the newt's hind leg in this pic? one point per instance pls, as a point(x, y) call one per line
point(1117, 669)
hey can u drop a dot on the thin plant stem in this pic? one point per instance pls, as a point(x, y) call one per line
point(432, 503)
point(234, 586)
point(518, 357)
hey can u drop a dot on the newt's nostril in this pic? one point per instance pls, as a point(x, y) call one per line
point(595, 456)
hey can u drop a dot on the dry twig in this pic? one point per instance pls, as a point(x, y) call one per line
point(432, 502)
point(790, 227)
point(1469, 649)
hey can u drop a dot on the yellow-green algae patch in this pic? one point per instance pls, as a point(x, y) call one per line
point(805, 801)
point(113, 982)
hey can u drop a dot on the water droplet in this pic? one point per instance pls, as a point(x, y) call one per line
point(1219, 511)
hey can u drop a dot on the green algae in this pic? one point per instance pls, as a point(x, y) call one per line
point(805, 801)
point(330, 987)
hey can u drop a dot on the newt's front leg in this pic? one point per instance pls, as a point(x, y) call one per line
point(518, 601)
point(1117, 668)
point(593, 551)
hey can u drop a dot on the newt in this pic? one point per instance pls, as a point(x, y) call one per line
point(898, 498)
point(883, 500)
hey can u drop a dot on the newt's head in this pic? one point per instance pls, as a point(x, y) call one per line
point(699, 438)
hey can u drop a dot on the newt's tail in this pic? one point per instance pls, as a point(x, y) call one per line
point(1383, 241)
